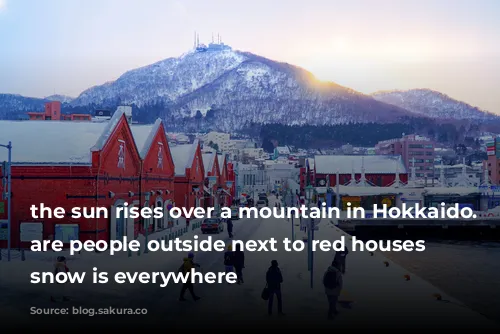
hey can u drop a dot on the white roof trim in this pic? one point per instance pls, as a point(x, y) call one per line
point(108, 131)
point(146, 145)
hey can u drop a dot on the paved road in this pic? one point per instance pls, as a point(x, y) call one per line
point(382, 299)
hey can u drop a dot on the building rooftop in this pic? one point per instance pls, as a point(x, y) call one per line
point(183, 156)
point(144, 136)
point(373, 164)
point(55, 142)
point(208, 161)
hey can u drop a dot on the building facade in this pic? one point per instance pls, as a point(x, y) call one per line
point(414, 149)
point(52, 112)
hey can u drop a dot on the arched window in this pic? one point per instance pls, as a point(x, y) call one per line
point(158, 222)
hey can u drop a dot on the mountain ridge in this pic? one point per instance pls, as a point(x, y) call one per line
point(434, 104)
point(230, 89)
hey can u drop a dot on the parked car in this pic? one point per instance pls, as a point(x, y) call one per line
point(261, 203)
point(263, 198)
point(212, 225)
point(235, 214)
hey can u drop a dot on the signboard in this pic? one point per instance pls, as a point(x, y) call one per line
point(31, 231)
point(490, 148)
point(4, 229)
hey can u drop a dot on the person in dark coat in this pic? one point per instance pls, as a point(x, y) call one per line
point(274, 280)
point(229, 223)
point(340, 258)
point(239, 263)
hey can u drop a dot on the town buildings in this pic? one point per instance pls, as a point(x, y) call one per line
point(412, 148)
point(109, 164)
point(374, 170)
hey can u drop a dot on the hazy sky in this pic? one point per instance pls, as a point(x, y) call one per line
point(66, 46)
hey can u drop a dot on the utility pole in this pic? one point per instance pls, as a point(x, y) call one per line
point(7, 171)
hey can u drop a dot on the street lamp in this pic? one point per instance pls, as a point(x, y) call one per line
point(7, 171)
point(310, 233)
point(147, 197)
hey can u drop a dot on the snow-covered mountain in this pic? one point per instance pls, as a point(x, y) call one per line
point(240, 88)
point(12, 105)
point(433, 104)
point(232, 89)
point(60, 98)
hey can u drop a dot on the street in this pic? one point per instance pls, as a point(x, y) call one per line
point(379, 296)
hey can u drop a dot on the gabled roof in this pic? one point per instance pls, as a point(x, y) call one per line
point(208, 162)
point(222, 159)
point(144, 136)
point(55, 142)
point(183, 156)
point(344, 164)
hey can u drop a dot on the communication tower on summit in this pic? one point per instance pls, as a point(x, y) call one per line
point(213, 46)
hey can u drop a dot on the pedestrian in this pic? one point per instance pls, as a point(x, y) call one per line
point(340, 258)
point(239, 263)
point(274, 280)
point(186, 267)
point(229, 260)
point(60, 288)
point(332, 280)
point(229, 223)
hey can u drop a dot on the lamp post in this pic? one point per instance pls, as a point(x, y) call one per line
point(310, 236)
point(7, 170)
point(292, 204)
point(147, 197)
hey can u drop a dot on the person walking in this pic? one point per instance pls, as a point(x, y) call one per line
point(186, 267)
point(229, 224)
point(229, 260)
point(239, 263)
point(340, 258)
point(274, 280)
point(333, 282)
point(60, 288)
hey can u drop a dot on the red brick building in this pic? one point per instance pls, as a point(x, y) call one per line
point(53, 113)
point(211, 192)
point(71, 164)
point(231, 176)
point(156, 187)
point(226, 196)
point(189, 174)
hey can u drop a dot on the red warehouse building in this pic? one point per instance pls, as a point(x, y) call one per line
point(189, 174)
point(225, 183)
point(70, 164)
point(379, 170)
point(156, 187)
point(231, 176)
point(211, 166)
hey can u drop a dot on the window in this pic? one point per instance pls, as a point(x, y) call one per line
point(429, 146)
point(429, 153)
point(416, 146)
point(67, 232)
